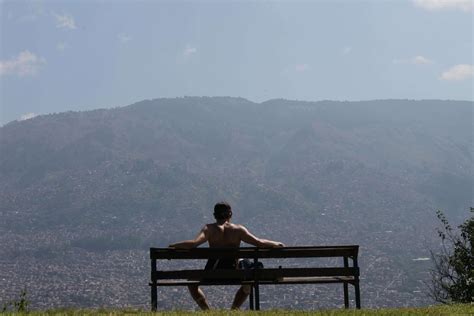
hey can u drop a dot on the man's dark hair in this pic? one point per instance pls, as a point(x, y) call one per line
point(222, 210)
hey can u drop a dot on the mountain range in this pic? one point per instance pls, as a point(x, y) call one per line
point(86, 192)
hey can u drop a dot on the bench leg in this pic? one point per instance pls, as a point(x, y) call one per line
point(357, 294)
point(346, 295)
point(257, 297)
point(154, 288)
point(251, 298)
point(346, 287)
point(154, 298)
point(356, 284)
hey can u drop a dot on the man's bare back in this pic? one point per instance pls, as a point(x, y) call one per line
point(225, 235)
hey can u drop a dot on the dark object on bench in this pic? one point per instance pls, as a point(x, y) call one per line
point(258, 276)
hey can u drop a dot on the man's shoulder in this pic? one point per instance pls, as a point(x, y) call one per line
point(237, 226)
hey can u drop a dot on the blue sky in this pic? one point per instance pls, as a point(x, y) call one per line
point(59, 56)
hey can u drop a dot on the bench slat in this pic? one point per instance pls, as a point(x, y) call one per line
point(250, 252)
point(261, 274)
point(307, 272)
point(302, 280)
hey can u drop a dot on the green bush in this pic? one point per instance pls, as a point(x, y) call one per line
point(453, 274)
point(20, 305)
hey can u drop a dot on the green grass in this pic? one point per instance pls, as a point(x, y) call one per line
point(466, 309)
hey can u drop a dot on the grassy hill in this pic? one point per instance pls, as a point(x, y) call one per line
point(432, 310)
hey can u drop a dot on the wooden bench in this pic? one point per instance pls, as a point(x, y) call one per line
point(343, 273)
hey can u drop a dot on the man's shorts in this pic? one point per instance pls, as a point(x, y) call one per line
point(230, 264)
point(213, 264)
point(241, 264)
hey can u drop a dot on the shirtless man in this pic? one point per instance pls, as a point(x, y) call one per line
point(223, 234)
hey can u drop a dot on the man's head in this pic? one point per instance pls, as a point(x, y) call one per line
point(222, 211)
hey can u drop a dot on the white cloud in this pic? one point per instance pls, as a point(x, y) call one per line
point(420, 60)
point(65, 21)
point(27, 116)
point(189, 51)
point(346, 50)
point(417, 60)
point(458, 73)
point(25, 64)
point(124, 38)
point(433, 5)
point(61, 46)
point(302, 67)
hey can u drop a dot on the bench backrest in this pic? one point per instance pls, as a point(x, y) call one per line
point(350, 251)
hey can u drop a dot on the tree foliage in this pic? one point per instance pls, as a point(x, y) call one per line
point(453, 273)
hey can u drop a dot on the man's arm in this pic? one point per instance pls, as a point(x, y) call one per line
point(247, 237)
point(188, 244)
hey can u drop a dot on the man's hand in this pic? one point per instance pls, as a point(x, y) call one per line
point(279, 245)
point(187, 244)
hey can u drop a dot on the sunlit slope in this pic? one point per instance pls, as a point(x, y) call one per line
point(434, 310)
point(306, 173)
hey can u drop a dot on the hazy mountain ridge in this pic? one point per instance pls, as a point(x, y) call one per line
point(303, 172)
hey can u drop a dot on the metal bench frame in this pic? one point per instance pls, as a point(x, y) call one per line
point(256, 277)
